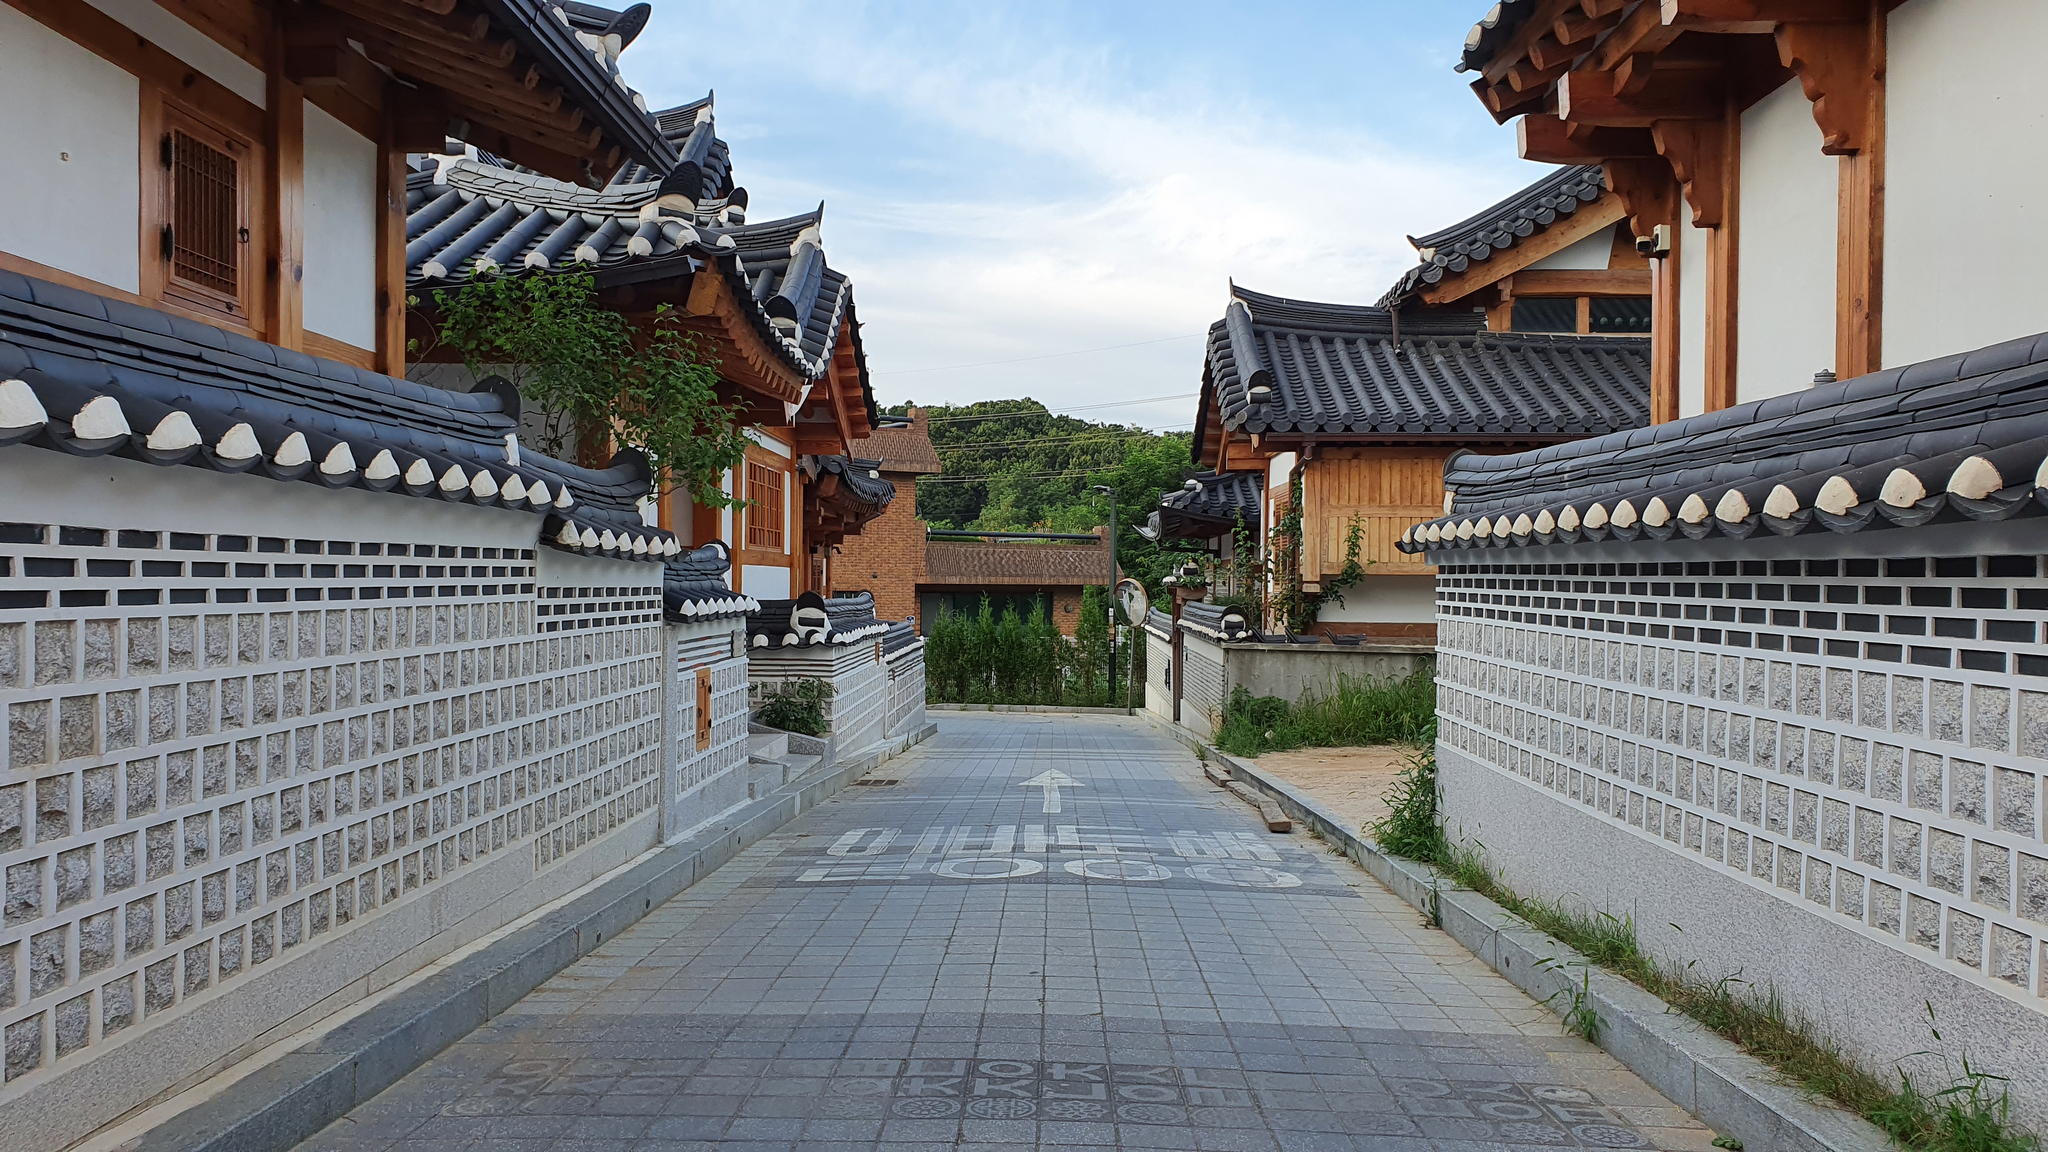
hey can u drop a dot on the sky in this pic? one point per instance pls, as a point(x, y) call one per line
point(1051, 199)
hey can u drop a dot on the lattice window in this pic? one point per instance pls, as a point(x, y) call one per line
point(764, 512)
point(205, 237)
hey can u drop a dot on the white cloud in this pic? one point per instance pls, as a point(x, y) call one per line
point(1015, 199)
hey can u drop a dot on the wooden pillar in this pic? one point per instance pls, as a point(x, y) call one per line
point(1723, 272)
point(1664, 337)
point(1859, 227)
point(390, 247)
point(284, 225)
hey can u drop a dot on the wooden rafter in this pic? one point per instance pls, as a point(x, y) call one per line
point(1543, 137)
point(745, 358)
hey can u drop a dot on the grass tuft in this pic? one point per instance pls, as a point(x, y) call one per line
point(1970, 1113)
point(1356, 712)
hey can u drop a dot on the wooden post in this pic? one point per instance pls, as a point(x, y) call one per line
point(284, 225)
point(1723, 274)
point(390, 247)
point(1859, 228)
point(1664, 337)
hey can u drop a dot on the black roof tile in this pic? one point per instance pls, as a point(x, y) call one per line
point(1961, 437)
point(1496, 228)
point(1338, 369)
point(219, 400)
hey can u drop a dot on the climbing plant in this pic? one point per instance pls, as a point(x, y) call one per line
point(594, 378)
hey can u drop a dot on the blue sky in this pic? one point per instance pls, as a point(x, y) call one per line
point(1009, 181)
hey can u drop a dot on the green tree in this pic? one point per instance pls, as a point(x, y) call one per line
point(595, 378)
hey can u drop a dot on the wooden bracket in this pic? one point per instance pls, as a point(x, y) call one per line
point(1698, 152)
point(1841, 74)
point(1545, 138)
point(1648, 192)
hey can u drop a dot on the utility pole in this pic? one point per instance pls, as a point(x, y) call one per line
point(1110, 587)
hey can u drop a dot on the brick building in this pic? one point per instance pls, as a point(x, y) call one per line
point(914, 576)
point(887, 558)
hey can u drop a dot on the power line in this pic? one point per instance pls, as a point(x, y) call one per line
point(1085, 438)
point(1026, 359)
point(1043, 411)
point(1015, 476)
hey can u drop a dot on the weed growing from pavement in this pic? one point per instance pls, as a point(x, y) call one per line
point(1969, 1114)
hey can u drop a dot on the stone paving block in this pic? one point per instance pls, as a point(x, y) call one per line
point(963, 960)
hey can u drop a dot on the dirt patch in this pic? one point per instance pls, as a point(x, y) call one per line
point(1350, 782)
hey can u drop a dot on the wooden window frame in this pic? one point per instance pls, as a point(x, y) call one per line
point(766, 524)
point(235, 306)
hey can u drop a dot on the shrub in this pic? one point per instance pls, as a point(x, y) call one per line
point(797, 706)
point(1357, 712)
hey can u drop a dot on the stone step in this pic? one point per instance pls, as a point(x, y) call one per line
point(767, 746)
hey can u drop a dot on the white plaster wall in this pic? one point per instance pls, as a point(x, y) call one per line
point(79, 214)
point(1964, 168)
point(1590, 252)
point(341, 231)
point(1691, 244)
point(1277, 469)
point(763, 582)
point(1786, 291)
point(1385, 600)
point(156, 24)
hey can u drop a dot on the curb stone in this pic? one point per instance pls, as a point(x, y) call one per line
point(295, 1096)
point(1699, 1070)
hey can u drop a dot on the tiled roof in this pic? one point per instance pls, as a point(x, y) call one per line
point(469, 216)
point(1493, 31)
point(861, 478)
point(1217, 621)
point(903, 448)
point(584, 58)
point(810, 619)
point(86, 375)
point(1206, 505)
point(694, 586)
point(1329, 368)
point(1963, 437)
point(1496, 228)
point(902, 634)
point(990, 563)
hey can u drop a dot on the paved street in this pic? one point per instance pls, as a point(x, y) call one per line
point(1049, 932)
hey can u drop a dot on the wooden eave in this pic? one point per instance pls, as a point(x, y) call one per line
point(1630, 84)
point(471, 78)
point(744, 356)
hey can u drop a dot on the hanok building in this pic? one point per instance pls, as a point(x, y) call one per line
point(1782, 654)
point(779, 321)
point(285, 638)
point(1331, 400)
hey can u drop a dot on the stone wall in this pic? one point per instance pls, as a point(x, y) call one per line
point(905, 669)
point(269, 748)
point(1822, 772)
point(704, 782)
point(858, 710)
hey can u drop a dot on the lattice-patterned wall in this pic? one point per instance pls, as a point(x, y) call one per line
point(1860, 738)
point(705, 782)
point(225, 751)
point(860, 686)
point(1201, 683)
point(1158, 674)
point(906, 689)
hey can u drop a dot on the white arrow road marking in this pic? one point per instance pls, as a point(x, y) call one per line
point(1052, 780)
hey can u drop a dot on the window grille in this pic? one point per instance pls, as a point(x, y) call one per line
point(764, 512)
point(205, 215)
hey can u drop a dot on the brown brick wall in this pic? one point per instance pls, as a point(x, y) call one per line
point(887, 558)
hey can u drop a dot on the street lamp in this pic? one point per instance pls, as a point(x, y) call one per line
point(1110, 599)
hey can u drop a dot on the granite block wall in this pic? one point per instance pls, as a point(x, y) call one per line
point(1857, 741)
